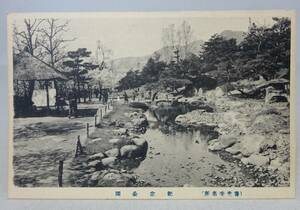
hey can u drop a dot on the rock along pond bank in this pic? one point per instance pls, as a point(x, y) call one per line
point(252, 133)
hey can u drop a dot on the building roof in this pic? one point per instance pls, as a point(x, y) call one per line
point(28, 67)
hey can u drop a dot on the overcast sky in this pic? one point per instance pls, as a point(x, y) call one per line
point(142, 36)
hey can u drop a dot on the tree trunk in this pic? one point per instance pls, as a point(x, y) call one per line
point(30, 89)
point(47, 94)
point(84, 93)
point(78, 91)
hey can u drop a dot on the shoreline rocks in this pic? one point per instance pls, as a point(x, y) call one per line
point(250, 131)
point(115, 152)
point(107, 156)
point(199, 118)
point(222, 143)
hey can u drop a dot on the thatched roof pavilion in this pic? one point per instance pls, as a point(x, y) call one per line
point(29, 68)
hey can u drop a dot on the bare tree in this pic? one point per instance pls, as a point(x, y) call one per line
point(53, 43)
point(169, 36)
point(177, 39)
point(184, 34)
point(169, 41)
point(27, 40)
point(52, 40)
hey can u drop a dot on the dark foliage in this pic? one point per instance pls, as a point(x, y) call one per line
point(78, 69)
point(265, 51)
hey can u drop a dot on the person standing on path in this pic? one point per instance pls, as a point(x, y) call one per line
point(105, 96)
point(125, 98)
point(72, 98)
point(96, 92)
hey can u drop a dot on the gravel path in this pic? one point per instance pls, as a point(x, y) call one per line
point(39, 144)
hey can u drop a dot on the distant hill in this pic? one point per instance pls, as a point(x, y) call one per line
point(165, 52)
point(122, 65)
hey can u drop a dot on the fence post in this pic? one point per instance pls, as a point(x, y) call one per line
point(95, 120)
point(79, 149)
point(105, 109)
point(87, 130)
point(60, 173)
point(101, 115)
point(108, 106)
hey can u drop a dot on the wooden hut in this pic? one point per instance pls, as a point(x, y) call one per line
point(29, 68)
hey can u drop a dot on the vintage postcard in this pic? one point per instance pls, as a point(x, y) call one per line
point(152, 105)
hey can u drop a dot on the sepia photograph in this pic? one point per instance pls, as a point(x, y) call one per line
point(185, 100)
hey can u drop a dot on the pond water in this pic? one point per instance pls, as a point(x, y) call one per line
point(182, 159)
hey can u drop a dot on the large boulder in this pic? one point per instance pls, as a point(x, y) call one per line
point(120, 131)
point(140, 122)
point(268, 144)
point(133, 114)
point(130, 151)
point(109, 161)
point(199, 118)
point(219, 92)
point(235, 149)
point(256, 160)
point(246, 145)
point(115, 141)
point(166, 113)
point(116, 180)
point(189, 118)
point(97, 156)
point(251, 144)
point(222, 143)
point(194, 103)
point(275, 164)
point(95, 176)
point(97, 164)
point(93, 179)
point(269, 123)
point(113, 152)
point(139, 105)
point(139, 141)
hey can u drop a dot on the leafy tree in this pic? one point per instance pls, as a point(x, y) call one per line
point(131, 80)
point(150, 73)
point(152, 70)
point(79, 68)
point(218, 57)
point(265, 51)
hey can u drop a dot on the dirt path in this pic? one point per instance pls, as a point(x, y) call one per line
point(39, 144)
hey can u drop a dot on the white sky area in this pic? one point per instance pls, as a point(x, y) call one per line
point(128, 37)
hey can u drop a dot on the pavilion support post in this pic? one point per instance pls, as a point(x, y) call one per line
point(95, 124)
point(47, 94)
point(87, 130)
